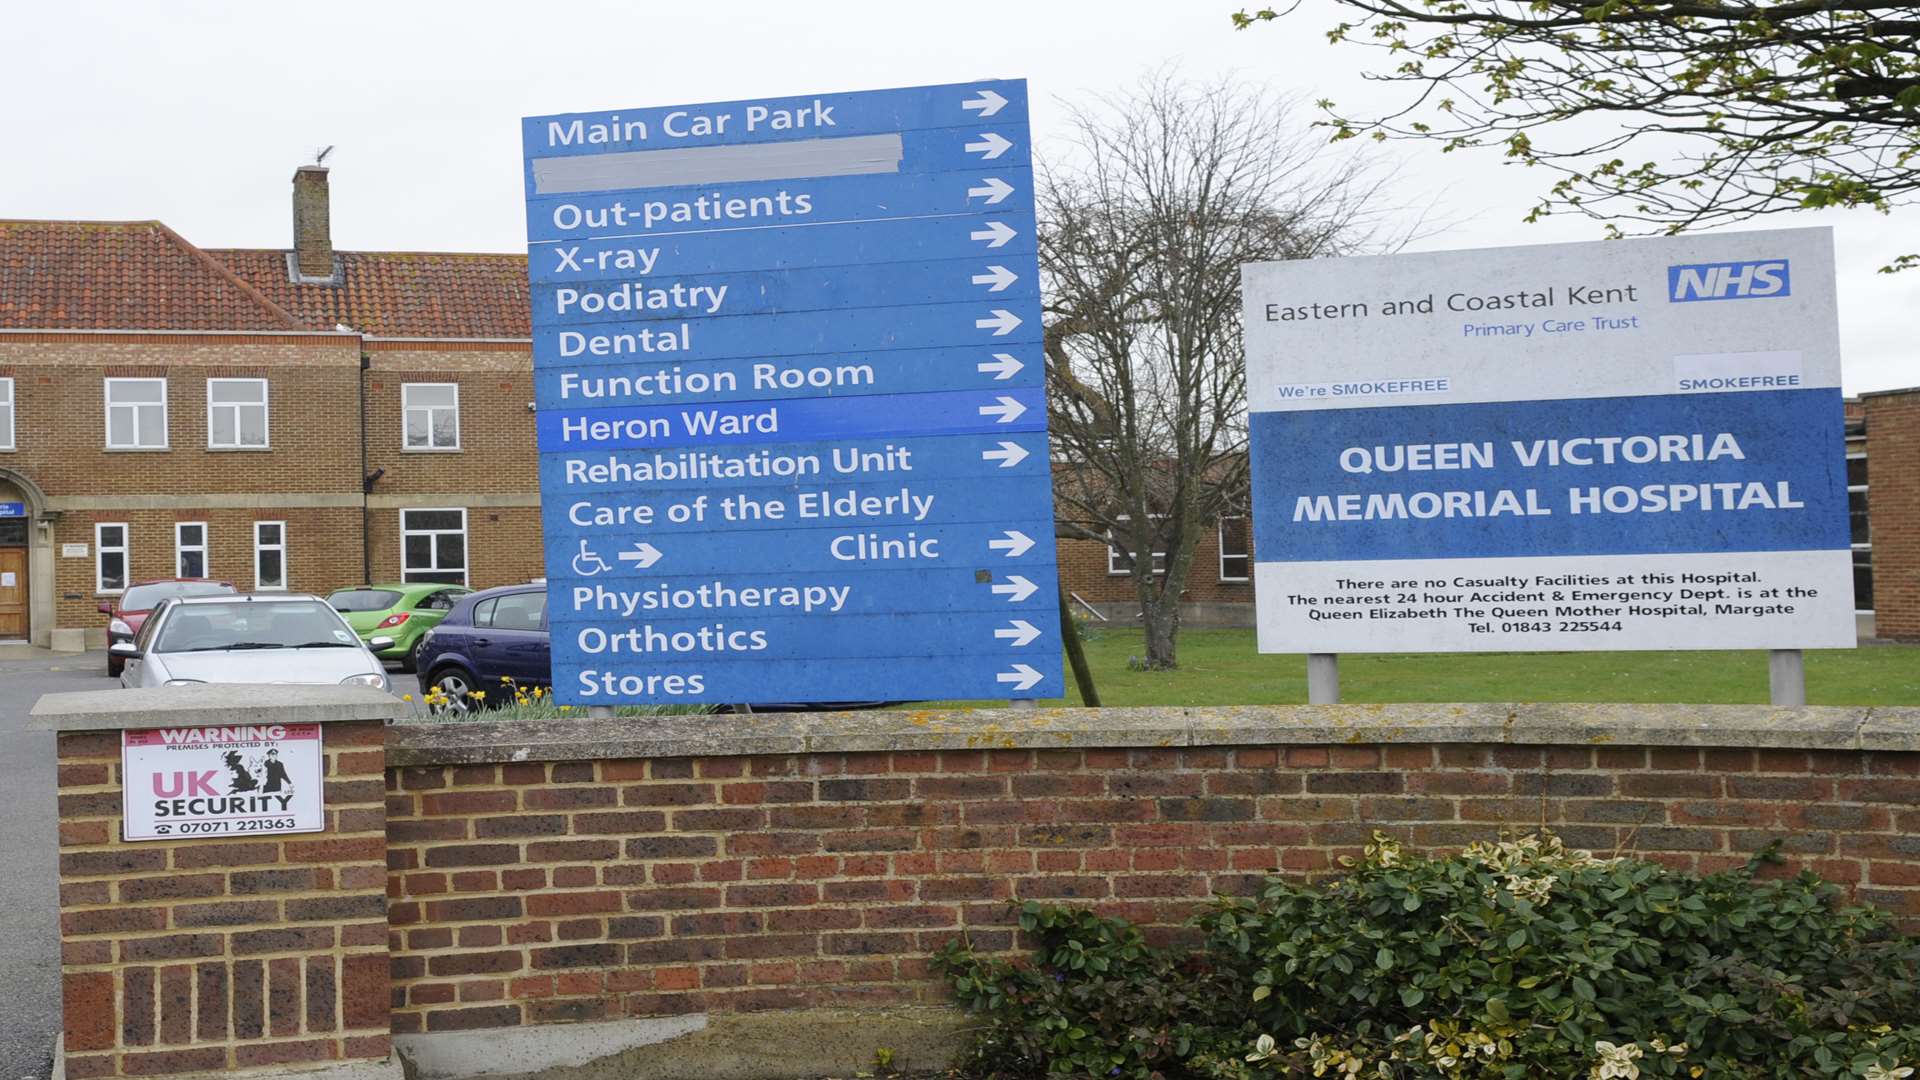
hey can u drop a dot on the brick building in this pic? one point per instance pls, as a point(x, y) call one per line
point(1882, 427)
point(283, 419)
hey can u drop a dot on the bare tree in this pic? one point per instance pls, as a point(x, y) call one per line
point(1163, 193)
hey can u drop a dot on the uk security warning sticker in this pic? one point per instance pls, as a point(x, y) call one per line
point(221, 781)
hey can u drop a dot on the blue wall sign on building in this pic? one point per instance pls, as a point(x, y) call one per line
point(13, 509)
point(789, 380)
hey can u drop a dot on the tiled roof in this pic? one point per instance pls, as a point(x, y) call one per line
point(122, 275)
point(399, 293)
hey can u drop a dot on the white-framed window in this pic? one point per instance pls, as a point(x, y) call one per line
point(110, 557)
point(269, 556)
point(433, 546)
point(1120, 561)
point(190, 549)
point(1859, 525)
point(431, 415)
point(1236, 547)
point(6, 414)
point(236, 414)
point(136, 414)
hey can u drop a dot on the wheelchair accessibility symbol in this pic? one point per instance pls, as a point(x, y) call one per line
point(588, 563)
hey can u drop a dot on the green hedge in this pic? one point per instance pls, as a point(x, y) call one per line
point(1515, 961)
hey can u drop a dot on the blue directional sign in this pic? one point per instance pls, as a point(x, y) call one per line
point(789, 384)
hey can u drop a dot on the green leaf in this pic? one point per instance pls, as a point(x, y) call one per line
point(1411, 996)
point(1517, 939)
point(1383, 959)
point(1261, 993)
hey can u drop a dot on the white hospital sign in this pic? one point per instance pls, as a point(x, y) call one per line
point(1620, 445)
point(244, 779)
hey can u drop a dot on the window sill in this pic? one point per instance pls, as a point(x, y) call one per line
point(1234, 580)
point(238, 449)
point(138, 449)
point(430, 450)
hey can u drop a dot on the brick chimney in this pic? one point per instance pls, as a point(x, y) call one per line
point(312, 228)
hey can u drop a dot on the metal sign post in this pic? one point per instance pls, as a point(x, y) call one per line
point(790, 397)
point(1323, 678)
point(1787, 677)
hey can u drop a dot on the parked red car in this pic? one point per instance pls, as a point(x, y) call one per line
point(131, 608)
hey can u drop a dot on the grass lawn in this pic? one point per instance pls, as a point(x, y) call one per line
point(1220, 667)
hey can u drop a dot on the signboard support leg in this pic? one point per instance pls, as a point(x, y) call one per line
point(1787, 677)
point(1323, 678)
point(599, 712)
point(1023, 704)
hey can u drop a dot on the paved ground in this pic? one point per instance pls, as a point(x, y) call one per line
point(29, 920)
point(29, 907)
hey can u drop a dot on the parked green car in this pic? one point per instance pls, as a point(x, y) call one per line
point(401, 611)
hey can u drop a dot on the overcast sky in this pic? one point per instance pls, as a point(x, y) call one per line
point(198, 113)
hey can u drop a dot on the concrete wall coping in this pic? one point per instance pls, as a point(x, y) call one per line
point(1533, 724)
point(213, 706)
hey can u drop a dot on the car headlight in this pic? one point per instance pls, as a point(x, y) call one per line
point(185, 682)
point(119, 626)
point(373, 679)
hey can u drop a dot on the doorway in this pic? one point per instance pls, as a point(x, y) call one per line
point(13, 578)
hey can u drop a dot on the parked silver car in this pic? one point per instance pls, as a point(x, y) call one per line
point(255, 638)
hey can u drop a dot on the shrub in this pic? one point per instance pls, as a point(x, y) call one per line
point(1514, 960)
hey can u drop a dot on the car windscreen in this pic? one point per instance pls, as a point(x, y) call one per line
point(143, 597)
point(254, 624)
point(363, 599)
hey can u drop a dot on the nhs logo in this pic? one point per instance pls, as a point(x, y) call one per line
point(1728, 281)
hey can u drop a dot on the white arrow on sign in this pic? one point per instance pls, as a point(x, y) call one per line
point(1009, 454)
point(1015, 588)
point(1001, 322)
point(990, 146)
point(993, 189)
point(1019, 631)
point(643, 553)
point(1002, 366)
point(1006, 412)
point(985, 102)
point(996, 234)
point(996, 279)
point(1022, 677)
point(1015, 544)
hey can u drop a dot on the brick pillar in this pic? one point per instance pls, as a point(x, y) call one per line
point(214, 954)
point(1893, 510)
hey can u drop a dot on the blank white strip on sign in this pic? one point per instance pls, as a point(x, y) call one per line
point(854, 155)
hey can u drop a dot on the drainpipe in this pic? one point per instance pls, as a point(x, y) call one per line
point(366, 486)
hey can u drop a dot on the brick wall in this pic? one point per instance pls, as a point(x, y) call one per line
point(496, 455)
point(1893, 508)
point(59, 387)
point(530, 893)
point(199, 955)
point(323, 550)
point(1083, 570)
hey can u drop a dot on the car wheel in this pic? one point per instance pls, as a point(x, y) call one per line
point(454, 683)
point(412, 662)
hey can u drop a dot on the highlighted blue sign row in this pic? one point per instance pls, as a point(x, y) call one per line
point(788, 377)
